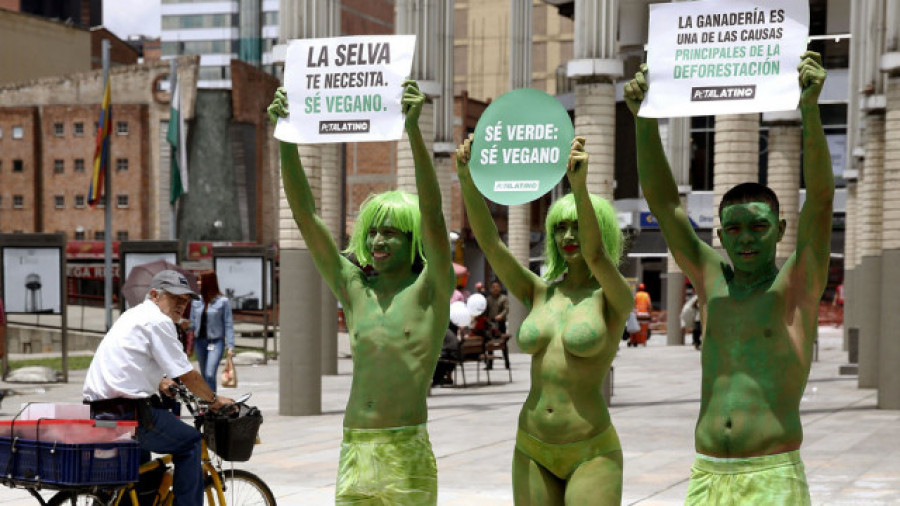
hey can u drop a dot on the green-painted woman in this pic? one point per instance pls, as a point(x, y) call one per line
point(396, 320)
point(567, 450)
point(760, 322)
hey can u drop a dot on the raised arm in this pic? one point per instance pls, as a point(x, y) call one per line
point(616, 292)
point(520, 281)
point(661, 191)
point(810, 273)
point(333, 267)
point(435, 240)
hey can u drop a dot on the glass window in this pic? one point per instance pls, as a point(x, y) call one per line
point(198, 47)
point(18, 166)
point(79, 235)
point(59, 201)
point(78, 129)
point(58, 129)
point(102, 202)
point(121, 164)
point(122, 235)
point(214, 73)
point(59, 166)
point(122, 127)
point(18, 201)
point(270, 18)
point(18, 132)
point(99, 235)
point(196, 21)
point(79, 165)
point(79, 201)
point(122, 201)
point(1, 132)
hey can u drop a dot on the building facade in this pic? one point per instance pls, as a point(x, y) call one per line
point(219, 32)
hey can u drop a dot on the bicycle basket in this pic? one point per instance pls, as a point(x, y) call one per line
point(232, 436)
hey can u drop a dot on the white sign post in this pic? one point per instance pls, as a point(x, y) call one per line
point(724, 57)
point(345, 89)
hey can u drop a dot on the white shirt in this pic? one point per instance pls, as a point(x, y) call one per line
point(140, 348)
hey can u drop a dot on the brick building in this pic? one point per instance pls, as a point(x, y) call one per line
point(47, 141)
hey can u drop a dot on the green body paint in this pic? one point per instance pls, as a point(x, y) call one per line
point(397, 318)
point(572, 332)
point(759, 322)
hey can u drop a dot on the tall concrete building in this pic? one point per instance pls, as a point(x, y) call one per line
point(219, 32)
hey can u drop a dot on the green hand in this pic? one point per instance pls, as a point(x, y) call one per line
point(812, 77)
point(279, 106)
point(576, 168)
point(412, 102)
point(463, 154)
point(635, 90)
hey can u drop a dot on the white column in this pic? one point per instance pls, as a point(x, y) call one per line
point(519, 217)
point(785, 141)
point(300, 363)
point(736, 156)
point(889, 339)
point(330, 204)
point(871, 194)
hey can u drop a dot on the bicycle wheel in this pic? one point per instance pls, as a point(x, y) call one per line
point(243, 488)
point(68, 498)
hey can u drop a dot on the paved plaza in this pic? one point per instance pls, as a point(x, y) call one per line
point(851, 449)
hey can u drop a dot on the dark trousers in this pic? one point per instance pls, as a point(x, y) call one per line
point(171, 435)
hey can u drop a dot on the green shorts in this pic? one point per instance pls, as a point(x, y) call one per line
point(563, 459)
point(392, 466)
point(773, 480)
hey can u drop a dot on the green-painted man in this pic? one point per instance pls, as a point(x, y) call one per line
point(396, 320)
point(761, 321)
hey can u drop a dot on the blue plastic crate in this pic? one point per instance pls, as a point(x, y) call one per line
point(50, 463)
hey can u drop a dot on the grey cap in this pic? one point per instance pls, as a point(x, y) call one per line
point(173, 282)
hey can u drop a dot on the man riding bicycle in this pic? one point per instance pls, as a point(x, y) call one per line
point(135, 361)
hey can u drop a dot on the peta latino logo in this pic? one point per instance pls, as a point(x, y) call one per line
point(737, 92)
point(516, 186)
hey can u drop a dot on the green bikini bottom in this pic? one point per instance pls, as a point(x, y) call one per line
point(773, 480)
point(393, 466)
point(563, 459)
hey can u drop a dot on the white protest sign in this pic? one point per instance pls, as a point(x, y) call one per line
point(345, 89)
point(724, 57)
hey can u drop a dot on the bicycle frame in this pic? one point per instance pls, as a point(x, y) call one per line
point(209, 469)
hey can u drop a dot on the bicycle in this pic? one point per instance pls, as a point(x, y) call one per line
point(223, 487)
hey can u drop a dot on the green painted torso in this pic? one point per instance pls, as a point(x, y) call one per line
point(395, 342)
point(755, 367)
point(571, 352)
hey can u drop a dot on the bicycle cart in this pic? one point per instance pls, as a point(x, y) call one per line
point(55, 455)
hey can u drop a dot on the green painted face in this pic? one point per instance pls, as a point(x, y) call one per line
point(389, 246)
point(750, 233)
point(565, 235)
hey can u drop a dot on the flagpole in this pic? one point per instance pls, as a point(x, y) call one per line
point(173, 68)
point(107, 192)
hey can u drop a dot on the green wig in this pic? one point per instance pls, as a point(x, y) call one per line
point(565, 209)
point(403, 210)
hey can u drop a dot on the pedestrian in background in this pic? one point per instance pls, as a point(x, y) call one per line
point(497, 306)
point(213, 326)
point(642, 308)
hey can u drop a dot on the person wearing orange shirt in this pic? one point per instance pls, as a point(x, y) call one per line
point(642, 308)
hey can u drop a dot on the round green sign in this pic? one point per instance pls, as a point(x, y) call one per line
point(521, 146)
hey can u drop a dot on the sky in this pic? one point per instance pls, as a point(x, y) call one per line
point(132, 17)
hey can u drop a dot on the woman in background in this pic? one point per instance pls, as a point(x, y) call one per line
point(213, 327)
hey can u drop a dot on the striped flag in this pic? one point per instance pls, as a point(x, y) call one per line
point(101, 152)
point(178, 180)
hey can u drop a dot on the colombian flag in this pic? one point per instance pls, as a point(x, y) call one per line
point(101, 152)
